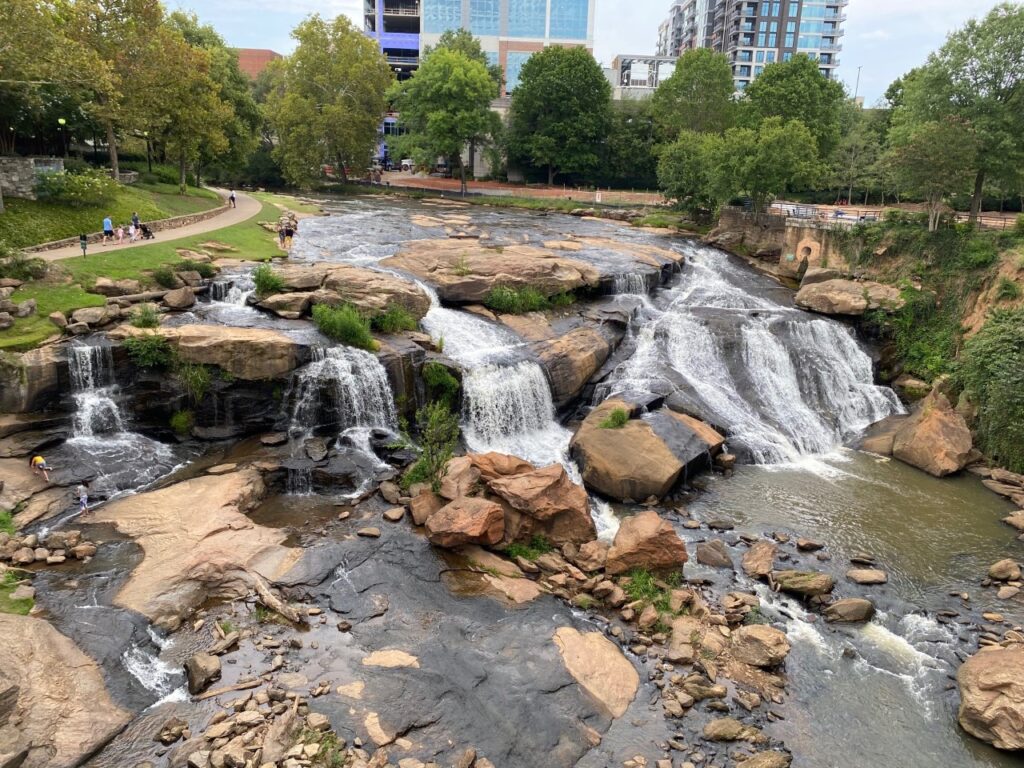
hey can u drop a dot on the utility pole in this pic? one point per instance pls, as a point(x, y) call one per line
point(856, 88)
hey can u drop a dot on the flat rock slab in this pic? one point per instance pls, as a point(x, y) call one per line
point(597, 664)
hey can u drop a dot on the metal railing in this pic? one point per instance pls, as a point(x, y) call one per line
point(848, 216)
point(401, 10)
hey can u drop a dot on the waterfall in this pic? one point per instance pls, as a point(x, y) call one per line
point(781, 382)
point(94, 391)
point(630, 282)
point(234, 291)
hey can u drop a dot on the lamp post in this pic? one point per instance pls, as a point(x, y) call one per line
point(149, 154)
point(63, 134)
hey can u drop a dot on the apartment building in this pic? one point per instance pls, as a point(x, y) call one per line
point(755, 33)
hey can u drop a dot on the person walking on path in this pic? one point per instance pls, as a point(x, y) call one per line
point(82, 491)
point(133, 232)
point(120, 234)
point(136, 221)
point(108, 230)
point(39, 466)
point(231, 198)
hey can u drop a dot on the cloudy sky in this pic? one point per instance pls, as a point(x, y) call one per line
point(883, 37)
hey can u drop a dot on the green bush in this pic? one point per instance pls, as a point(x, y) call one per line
point(267, 281)
point(205, 269)
point(536, 547)
point(345, 324)
point(145, 316)
point(77, 189)
point(989, 371)
point(394, 319)
point(1007, 290)
point(164, 277)
point(615, 420)
point(439, 431)
point(1018, 227)
point(149, 351)
point(194, 379)
point(642, 585)
point(182, 421)
point(515, 301)
point(18, 266)
point(440, 383)
point(6, 522)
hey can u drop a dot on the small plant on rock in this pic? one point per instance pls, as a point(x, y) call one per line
point(149, 351)
point(165, 277)
point(205, 269)
point(536, 547)
point(439, 430)
point(461, 267)
point(1007, 290)
point(194, 379)
point(394, 319)
point(345, 324)
point(615, 420)
point(267, 281)
point(145, 316)
point(182, 421)
point(440, 383)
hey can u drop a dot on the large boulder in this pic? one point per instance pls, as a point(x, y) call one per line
point(804, 583)
point(878, 437)
point(545, 502)
point(465, 271)
point(992, 696)
point(370, 290)
point(847, 297)
point(56, 704)
point(644, 540)
point(645, 456)
point(198, 544)
point(467, 520)
point(935, 438)
point(599, 667)
point(759, 560)
point(850, 609)
point(571, 360)
point(759, 645)
point(180, 298)
point(29, 381)
point(247, 353)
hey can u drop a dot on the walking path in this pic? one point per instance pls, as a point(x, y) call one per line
point(498, 188)
point(247, 207)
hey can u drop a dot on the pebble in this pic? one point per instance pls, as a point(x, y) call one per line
point(369, 533)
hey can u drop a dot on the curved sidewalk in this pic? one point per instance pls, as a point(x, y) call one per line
point(247, 208)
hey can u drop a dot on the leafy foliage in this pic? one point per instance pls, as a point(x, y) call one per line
point(16, 265)
point(615, 420)
point(394, 319)
point(698, 97)
point(439, 430)
point(8, 583)
point(685, 172)
point(643, 585)
point(267, 281)
point(205, 269)
point(164, 277)
point(194, 379)
point(440, 383)
point(537, 546)
point(145, 316)
point(990, 373)
point(77, 189)
point(182, 422)
point(345, 324)
point(516, 301)
point(1007, 290)
point(149, 351)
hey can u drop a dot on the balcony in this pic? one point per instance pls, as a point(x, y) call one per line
point(408, 61)
point(830, 47)
point(401, 9)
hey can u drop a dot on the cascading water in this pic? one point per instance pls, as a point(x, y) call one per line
point(95, 391)
point(630, 282)
point(783, 384)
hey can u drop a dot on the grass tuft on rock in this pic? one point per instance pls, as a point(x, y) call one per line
point(145, 316)
point(8, 583)
point(517, 301)
point(641, 584)
point(615, 420)
point(536, 547)
point(394, 319)
point(182, 421)
point(267, 281)
point(7, 522)
point(345, 324)
point(149, 351)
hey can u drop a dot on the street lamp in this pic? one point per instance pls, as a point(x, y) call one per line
point(149, 155)
point(63, 134)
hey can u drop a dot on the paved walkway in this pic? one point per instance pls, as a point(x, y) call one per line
point(247, 207)
point(499, 188)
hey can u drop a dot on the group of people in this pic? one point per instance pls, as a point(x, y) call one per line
point(40, 467)
point(287, 226)
point(135, 230)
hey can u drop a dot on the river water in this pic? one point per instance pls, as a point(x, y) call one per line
point(721, 341)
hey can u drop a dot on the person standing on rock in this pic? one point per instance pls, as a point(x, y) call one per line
point(39, 466)
point(82, 491)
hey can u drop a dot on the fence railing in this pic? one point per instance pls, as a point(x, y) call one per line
point(847, 216)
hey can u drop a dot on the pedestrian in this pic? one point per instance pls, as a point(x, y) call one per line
point(135, 219)
point(39, 466)
point(82, 491)
point(133, 233)
point(108, 230)
point(120, 234)
point(231, 198)
point(280, 236)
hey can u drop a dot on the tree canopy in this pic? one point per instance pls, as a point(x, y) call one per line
point(697, 97)
point(561, 111)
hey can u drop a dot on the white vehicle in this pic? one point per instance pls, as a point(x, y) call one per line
point(408, 164)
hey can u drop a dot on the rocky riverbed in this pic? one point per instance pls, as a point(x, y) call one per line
point(710, 579)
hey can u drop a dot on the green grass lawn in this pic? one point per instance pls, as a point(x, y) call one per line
point(167, 198)
point(65, 291)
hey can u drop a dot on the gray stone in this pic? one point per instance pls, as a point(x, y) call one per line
point(201, 670)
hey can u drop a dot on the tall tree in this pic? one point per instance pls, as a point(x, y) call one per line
point(763, 162)
point(934, 159)
point(978, 76)
point(630, 159)
point(686, 173)
point(463, 41)
point(796, 90)
point(327, 104)
point(697, 97)
point(447, 104)
point(561, 111)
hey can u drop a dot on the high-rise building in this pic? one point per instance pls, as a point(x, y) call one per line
point(395, 25)
point(754, 33)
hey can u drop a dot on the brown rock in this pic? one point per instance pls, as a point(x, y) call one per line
point(991, 686)
point(759, 560)
point(769, 759)
point(201, 670)
point(730, 729)
point(713, 553)
point(804, 583)
point(394, 514)
point(570, 360)
point(759, 645)
point(466, 520)
point(370, 532)
point(867, 576)
point(424, 505)
point(1004, 570)
point(850, 609)
point(460, 478)
point(935, 438)
point(846, 297)
point(548, 503)
point(599, 667)
point(493, 465)
point(180, 298)
point(644, 540)
point(592, 555)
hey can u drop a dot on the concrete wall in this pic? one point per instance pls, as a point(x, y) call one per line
point(18, 174)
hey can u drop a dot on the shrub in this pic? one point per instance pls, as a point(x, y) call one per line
point(536, 547)
point(182, 421)
point(164, 277)
point(149, 351)
point(440, 383)
point(1007, 290)
point(345, 324)
point(194, 379)
point(1018, 227)
point(615, 420)
point(439, 430)
point(16, 265)
point(77, 189)
point(145, 316)
point(989, 371)
point(6, 522)
point(394, 319)
point(515, 301)
point(205, 269)
point(267, 281)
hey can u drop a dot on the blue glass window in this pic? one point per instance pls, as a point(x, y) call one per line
point(789, 41)
point(569, 19)
point(776, 9)
point(441, 15)
point(742, 85)
point(758, 71)
point(526, 18)
point(771, 57)
point(787, 56)
point(483, 17)
point(759, 56)
point(514, 61)
point(760, 40)
point(793, 9)
point(492, 58)
point(764, 9)
point(772, 40)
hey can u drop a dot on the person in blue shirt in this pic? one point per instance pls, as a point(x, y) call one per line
point(108, 230)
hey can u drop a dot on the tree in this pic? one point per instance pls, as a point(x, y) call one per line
point(763, 162)
point(854, 160)
point(630, 159)
point(446, 104)
point(685, 171)
point(933, 159)
point(561, 111)
point(978, 76)
point(462, 40)
point(796, 90)
point(326, 104)
point(697, 97)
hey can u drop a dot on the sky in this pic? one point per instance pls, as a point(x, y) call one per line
point(885, 38)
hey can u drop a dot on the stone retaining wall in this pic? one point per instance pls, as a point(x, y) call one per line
point(18, 175)
point(160, 225)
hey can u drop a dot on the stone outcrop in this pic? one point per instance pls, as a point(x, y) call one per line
point(29, 381)
point(466, 520)
point(935, 438)
point(57, 708)
point(597, 664)
point(198, 544)
point(644, 540)
point(804, 583)
point(878, 437)
point(759, 645)
point(466, 271)
point(571, 360)
point(323, 283)
point(247, 353)
point(850, 609)
point(759, 560)
point(991, 686)
point(847, 297)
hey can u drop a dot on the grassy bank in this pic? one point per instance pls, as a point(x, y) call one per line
point(30, 222)
point(65, 288)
